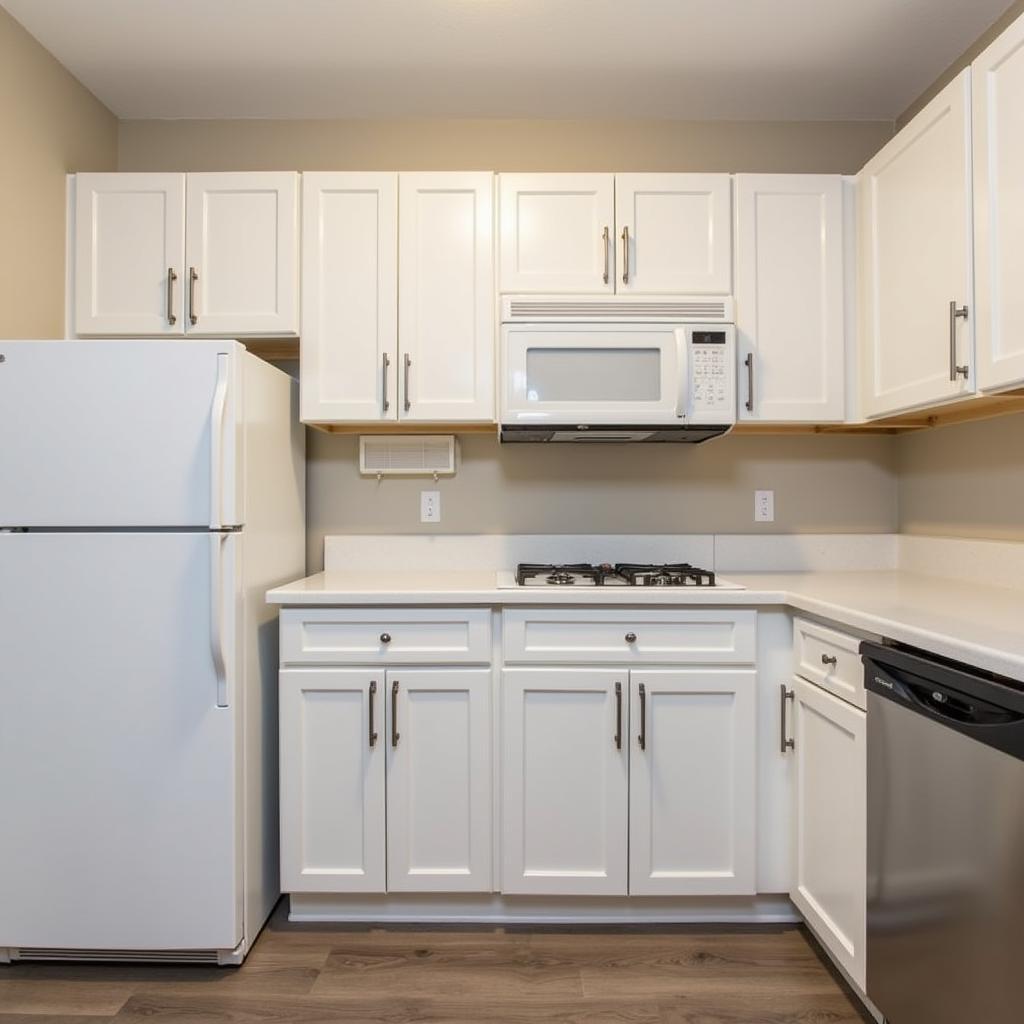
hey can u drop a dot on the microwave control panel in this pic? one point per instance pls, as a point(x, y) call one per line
point(712, 373)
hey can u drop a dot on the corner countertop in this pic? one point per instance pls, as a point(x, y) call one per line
point(979, 624)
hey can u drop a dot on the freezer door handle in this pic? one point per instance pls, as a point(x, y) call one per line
point(220, 400)
point(218, 541)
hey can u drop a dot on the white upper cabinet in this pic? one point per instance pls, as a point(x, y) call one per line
point(446, 309)
point(557, 233)
point(916, 312)
point(998, 96)
point(692, 782)
point(241, 248)
point(674, 234)
point(790, 303)
point(129, 253)
point(349, 346)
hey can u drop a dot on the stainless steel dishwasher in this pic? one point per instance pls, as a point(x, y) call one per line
point(945, 796)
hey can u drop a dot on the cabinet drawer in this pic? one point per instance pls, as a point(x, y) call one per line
point(575, 635)
point(829, 658)
point(323, 636)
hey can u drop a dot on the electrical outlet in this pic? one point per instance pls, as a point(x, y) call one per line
point(430, 506)
point(764, 506)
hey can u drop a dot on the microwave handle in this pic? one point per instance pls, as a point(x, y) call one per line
point(683, 375)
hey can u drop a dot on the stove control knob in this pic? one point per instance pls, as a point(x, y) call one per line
point(385, 638)
point(631, 638)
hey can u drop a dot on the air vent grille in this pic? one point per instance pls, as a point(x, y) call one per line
point(407, 455)
point(178, 956)
point(698, 309)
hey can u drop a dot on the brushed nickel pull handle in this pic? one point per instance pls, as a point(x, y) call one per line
point(784, 743)
point(618, 716)
point(955, 312)
point(395, 737)
point(373, 698)
point(749, 363)
point(193, 277)
point(384, 381)
point(642, 738)
point(829, 659)
point(171, 278)
point(625, 255)
point(408, 363)
point(631, 638)
point(385, 638)
point(606, 245)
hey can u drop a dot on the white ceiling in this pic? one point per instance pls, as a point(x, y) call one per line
point(714, 59)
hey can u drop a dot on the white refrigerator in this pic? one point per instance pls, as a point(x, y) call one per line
point(150, 493)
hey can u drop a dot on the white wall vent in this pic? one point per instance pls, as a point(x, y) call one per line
point(407, 455)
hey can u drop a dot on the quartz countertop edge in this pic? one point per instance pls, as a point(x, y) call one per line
point(974, 623)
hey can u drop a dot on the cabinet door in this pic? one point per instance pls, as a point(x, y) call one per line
point(332, 780)
point(789, 297)
point(692, 810)
point(915, 205)
point(129, 254)
point(439, 780)
point(241, 243)
point(446, 312)
point(830, 887)
point(349, 297)
point(557, 233)
point(998, 88)
point(674, 234)
point(565, 781)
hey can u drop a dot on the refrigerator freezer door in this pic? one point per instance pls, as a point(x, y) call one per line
point(120, 803)
point(118, 433)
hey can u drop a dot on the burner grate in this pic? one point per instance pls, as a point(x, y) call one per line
point(634, 574)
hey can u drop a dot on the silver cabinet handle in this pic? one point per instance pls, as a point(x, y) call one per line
point(405, 388)
point(631, 638)
point(625, 255)
point(642, 738)
point(829, 659)
point(384, 381)
point(193, 276)
point(171, 278)
point(618, 716)
point(784, 743)
point(955, 312)
point(606, 244)
point(395, 737)
point(373, 697)
point(749, 364)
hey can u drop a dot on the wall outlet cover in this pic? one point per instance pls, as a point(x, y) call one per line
point(764, 506)
point(430, 506)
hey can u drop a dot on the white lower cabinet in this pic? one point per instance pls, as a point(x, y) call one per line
point(692, 797)
point(830, 884)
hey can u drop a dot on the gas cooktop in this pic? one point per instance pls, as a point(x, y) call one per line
point(621, 574)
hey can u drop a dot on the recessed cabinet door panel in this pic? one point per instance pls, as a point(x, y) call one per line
point(242, 243)
point(439, 780)
point(678, 234)
point(998, 124)
point(790, 297)
point(565, 782)
point(446, 314)
point(129, 254)
point(557, 233)
point(349, 343)
point(830, 887)
point(916, 258)
point(332, 780)
point(692, 792)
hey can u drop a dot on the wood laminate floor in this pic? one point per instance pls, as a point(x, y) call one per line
point(310, 974)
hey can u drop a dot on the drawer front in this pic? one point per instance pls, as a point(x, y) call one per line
point(579, 636)
point(830, 659)
point(371, 636)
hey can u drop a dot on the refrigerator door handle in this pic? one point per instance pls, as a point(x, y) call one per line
point(220, 400)
point(218, 542)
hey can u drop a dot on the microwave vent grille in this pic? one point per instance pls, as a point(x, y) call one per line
point(407, 455)
point(704, 310)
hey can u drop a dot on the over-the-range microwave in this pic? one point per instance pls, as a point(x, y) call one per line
point(617, 369)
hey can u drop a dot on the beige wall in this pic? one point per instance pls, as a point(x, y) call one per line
point(50, 125)
point(511, 145)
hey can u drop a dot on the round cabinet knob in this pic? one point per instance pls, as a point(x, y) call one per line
point(631, 638)
point(385, 638)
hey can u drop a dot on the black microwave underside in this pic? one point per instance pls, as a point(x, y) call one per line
point(611, 434)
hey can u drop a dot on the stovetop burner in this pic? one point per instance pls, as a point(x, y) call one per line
point(629, 574)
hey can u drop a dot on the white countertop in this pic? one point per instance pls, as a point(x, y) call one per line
point(978, 624)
